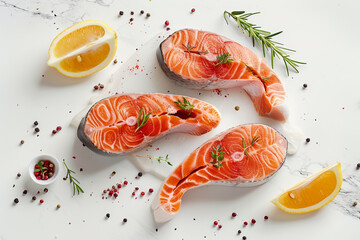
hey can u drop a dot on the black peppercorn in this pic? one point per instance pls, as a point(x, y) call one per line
point(140, 174)
point(121, 13)
point(131, 19)
point(33, 198)
point(125, 220)
point(148, 15)
point(46, 190)
point(244, 238)
point(36, 123)
point(108, 215)
point(25, 192)
point(22, 142)
point(18, 175)
point(132, 13)
point(308, 140)
point(16, 200)
point(113, 173)
point(304, 85)
point(142, 12)
point(239, 231)
point(358, 166)
point(37, 130)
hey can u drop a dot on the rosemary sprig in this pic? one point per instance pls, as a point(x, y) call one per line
point(188, 47)
point(143, 118)
point(218, 156)
point(224, 58)
point(264, 39)
point(186, 105)
point(159, 159)
point(73, 180)
point(253, 141)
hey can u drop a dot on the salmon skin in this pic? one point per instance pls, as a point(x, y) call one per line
point(111, 125)
point(191, 57)
point(245, 155)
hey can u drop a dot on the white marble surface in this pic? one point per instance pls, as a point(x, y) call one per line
point(325, 35)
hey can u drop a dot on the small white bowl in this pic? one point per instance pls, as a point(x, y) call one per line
point(35, 160)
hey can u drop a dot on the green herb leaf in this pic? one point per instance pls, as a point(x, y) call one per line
point(73, 180)
point(186, 105)
point(218, 156)
point(143, 118)
point(253, 141)
point(224, 58)
point(264, 39)
point(37, 170)
point(158, 159)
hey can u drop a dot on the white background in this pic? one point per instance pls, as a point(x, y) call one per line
point(325, 35)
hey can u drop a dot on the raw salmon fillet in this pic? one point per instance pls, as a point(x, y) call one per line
point(251, 155)
point(110, 126)
point(190, 57)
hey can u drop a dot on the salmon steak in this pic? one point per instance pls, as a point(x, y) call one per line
point(204, 60)
point(124, 123)
point(246, 155)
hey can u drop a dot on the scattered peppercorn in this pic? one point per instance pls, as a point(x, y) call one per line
point(111, 193)
point(304, 85)
point(237, 108)
point(124, 220)
point(58, 206)
point(308, 140)
point(125, 182)
point(142, 12)
point(239, 231)
point(234, 214)
point(193, 10)
point(355, 203)
point(115, 195)
point(131, 19)
point(142, 193)
point(168, 29)
point(136, 188)
point(245, 223)
point(37, 130)
point(107, 215)
point(358, 166)
point(25, 192)
point(22, 142)
point(113, 173)
point(133, 194)
point(244, 238)
point(115, 61)
point(132, 13)
point(156, 229)
point(101, 86)
point(119, 185)
point(46, 190)
point(36, 123)
point(81, 169)
point(220, 226)
point(96, 87)
point(41, 201)
point(113, 187)
point(253, 221)
point(121, 13)
point(215, 223)
point(18, 175)
point(151, 190)
point(140, 174)
point(266, 217)
point(33, 198)
point(167, 23)
point(104, 191)
point(16, 200)
point(54, 132)
point(58, 128)
point(148, 15)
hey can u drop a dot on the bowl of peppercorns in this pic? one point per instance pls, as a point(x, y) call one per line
point(44, 169)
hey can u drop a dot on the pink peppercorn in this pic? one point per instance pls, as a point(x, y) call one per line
point(151, 190)
point(133, 194)
point(167, 23)
point(220, 226)
point(126, 182)
point(41, 201)
point(38, 177)
point(167, 29)
point(54, 131)
point(119, 185)
point(245, 223)
point(116, 195)
point(266, 217)
point(215, 223)
point(96, 87)
point(111, 193)
point(58, 128)
point(234, 214)
point(253, 221)
point(115, 190)
point(136, 188)
point(193, 10)
point(142, 193)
